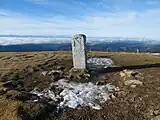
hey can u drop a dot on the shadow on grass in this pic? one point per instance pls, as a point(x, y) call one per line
point(117, 69)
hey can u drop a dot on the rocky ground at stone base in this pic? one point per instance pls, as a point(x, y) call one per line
point(136, 76)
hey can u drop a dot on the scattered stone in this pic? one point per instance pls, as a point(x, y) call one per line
point(133, 82)
point(3, 91)
point(134, 74)
point(100, 83)
point(60, 68)
point(53, 71)
point(112, 96)
point(151, 112)
point(54, 74)
point(131, 78)
point(133, 86)
point(87, 75)
point(122, 74)
point(128, 74)
point(156, 118)
point(156, 112)
point(79, 74)
point(44, 73)
point(117, 89)
point(84, 76)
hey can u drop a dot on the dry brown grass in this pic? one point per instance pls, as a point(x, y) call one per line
point(17, 61)
point(133, 104)
point(9, 109)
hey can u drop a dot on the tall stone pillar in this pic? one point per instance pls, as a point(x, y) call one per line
point(79, 51)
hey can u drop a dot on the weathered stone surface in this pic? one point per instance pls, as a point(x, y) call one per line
point(79, 51)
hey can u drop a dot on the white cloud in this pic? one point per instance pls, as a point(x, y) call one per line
point(39, 1)
point(3, 14)
point(130, 24)
point(31, 40)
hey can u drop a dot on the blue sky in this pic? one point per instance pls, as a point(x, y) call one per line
point(125, 18)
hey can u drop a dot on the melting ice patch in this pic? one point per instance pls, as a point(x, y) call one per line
point(100, 62)
point(77, 94)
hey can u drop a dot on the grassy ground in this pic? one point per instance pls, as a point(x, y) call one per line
point(130, 104)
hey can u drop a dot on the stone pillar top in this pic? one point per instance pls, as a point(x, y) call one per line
point(76, 35)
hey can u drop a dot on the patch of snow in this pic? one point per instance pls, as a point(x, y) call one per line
point(78, 94)
point(155, 53)
point(100, 62)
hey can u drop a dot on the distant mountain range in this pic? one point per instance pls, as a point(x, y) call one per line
point(27, 43)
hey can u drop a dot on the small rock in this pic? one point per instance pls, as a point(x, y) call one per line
point(117, 89)
point(134, 73)
point(87, 75)
point(133, 86)
point(83, 76)
point(56, 74)
point(134, 82)
point(101, 83)
point(151, 112)
point(122, 74)
point(3, 91)
point(156, 112)
point(53, 71)
point(128, 73)
point(80, 76)
point(156, 118)
point(60, 68)
point(112, 96)
point(44, 73)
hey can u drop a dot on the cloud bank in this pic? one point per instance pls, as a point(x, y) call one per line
point(101, 18)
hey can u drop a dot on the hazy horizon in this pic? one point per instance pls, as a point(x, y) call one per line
point(31, 39)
